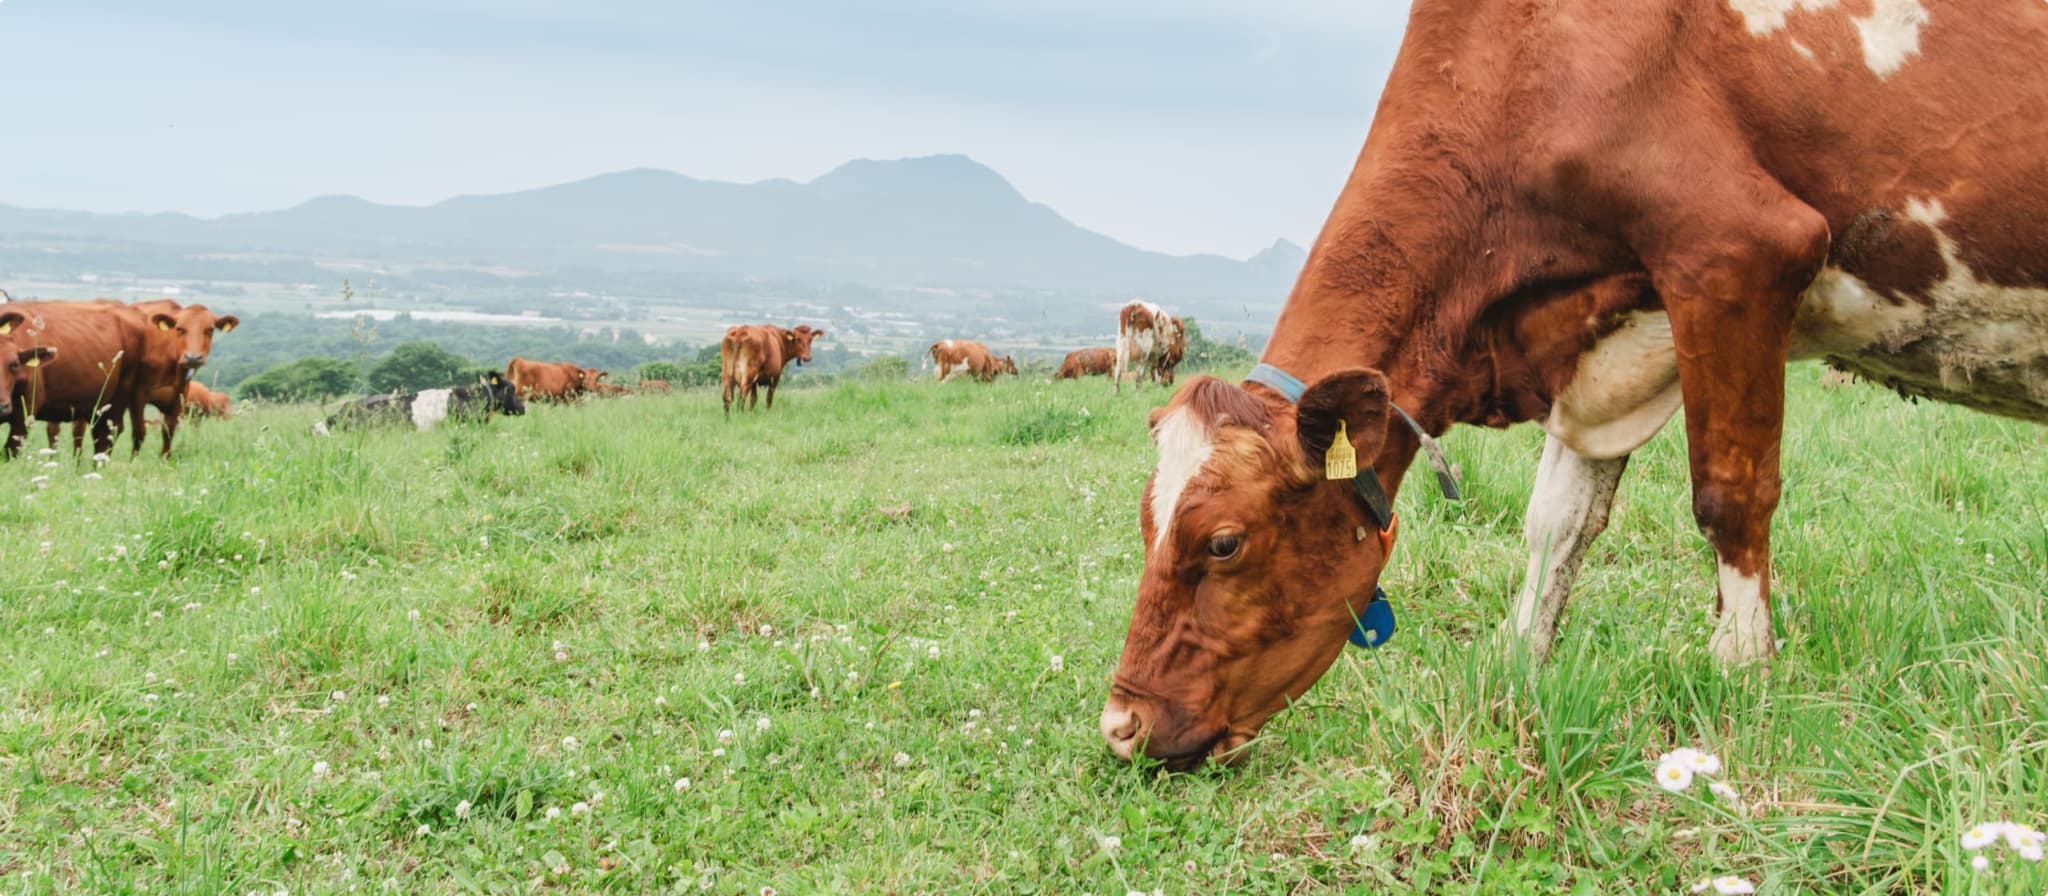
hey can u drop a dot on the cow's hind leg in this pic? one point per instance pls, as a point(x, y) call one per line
point(1566, 512)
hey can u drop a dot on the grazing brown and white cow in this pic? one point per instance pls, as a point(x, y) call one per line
point(753, 356)
point(1588, 220)
point(556, 381)
point(950, 355)
point(1168, 358)
point(1086, 362)
point(203, 402)
point(1142, 330)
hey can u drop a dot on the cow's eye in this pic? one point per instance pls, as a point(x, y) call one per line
point(1225, 545)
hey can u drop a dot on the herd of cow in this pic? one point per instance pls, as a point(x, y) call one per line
point(1146, 336)
point(100, 364)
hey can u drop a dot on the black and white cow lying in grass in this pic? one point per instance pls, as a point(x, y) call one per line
point(492, 394)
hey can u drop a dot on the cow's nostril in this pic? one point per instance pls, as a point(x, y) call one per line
point(1120, 727)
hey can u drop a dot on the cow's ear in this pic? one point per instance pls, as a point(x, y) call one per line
point(36, 357)
point(227, 324)
point(1352, 400)
point(10, 320)
point(789, 336)
point(817, 334)
point(164, 321)
point(494, 379)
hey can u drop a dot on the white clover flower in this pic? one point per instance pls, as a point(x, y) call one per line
point(947, 547)
point(412, 615)
point(1983, 835)
point(91, 476)
point(681, 784)
point(580, 809)
point(321, 769)
point(725, 735)
point(1111, 844)
point(561, 656)
point(46, 452)
point(1674, 776)
point(1059, 663)
point(767, 630)
point(552, 813)
point(761, 724)
point(902, 759)
point(338, 696)
point(423, 831)
point(718, 752)
point(1360, 841)
point(703, 646)
point(1726, 885)
point(739, 678)
point(933, 652)
point(570, 742)
point(462, 809)
point(347, 576)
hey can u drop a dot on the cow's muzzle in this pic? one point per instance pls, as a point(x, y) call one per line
point(194, 361)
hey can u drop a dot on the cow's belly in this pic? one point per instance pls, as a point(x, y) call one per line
point(1974, 344)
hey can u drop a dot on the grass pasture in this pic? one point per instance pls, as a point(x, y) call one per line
point(872, 629)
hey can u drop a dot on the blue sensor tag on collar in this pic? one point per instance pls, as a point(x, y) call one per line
point(1376, 623)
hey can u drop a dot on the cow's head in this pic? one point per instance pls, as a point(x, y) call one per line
point(193, 327)
point(798, 341)
point(504, 394)
point(1255, 564)
point(593, 377)
point(17, 363)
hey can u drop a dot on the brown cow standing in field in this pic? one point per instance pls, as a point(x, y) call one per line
point(961, 354)
point(1086, 362)
point(114, 361)
point(556, 381)
point(18, 362)
point(752, 356)
point(1589, 220)
point(1142, 330)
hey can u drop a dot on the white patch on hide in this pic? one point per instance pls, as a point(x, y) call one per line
point(429, 408)
point(1625, 390)
point(1890, 34)
point(1184, 446)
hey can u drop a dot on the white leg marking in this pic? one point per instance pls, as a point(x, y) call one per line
point(1184, 446)
point(1566, 512)
point(430, 408)
point(1743, 633)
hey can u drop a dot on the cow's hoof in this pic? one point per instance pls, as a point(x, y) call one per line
point(1736, 644)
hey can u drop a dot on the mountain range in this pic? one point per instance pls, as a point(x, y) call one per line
point(937, 221)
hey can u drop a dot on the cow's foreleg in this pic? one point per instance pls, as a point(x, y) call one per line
point(1566, 512)
point(1731, 291)
point(170, 425)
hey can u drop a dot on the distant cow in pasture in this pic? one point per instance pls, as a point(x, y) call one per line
point(753, 356)
point(609, 390)
point(1142, 332)
point(493, 393)
point(1169, 357)
point(203, 402)
point(1086, 362)
point(556, 381)
point(960, 354)
point(654, 387)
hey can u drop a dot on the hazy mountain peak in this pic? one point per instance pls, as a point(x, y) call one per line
point(951, 174)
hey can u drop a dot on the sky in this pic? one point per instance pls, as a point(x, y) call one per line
point(1181, 126)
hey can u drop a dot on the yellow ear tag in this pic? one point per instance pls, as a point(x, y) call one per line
point(33, 361)
point(162, 325)
point(6, 329)
point(1340, 462)
point(230, 328)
